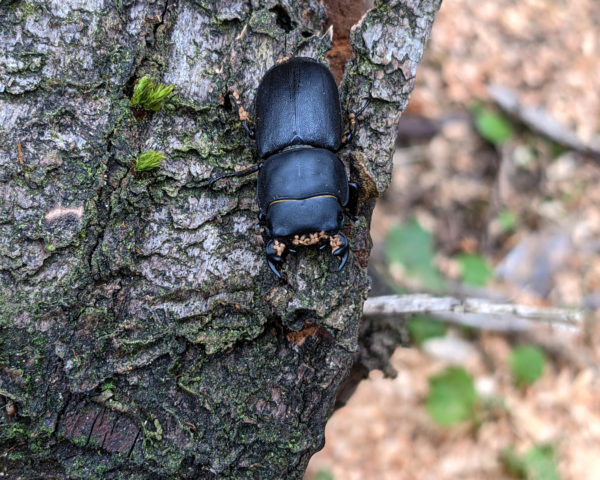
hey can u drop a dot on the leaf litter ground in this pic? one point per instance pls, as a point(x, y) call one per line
point(521, 204)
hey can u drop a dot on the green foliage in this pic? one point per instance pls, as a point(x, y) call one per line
point(324, 474)
point(492, 126)
point(474, 269)
point(148, 161)
point(538, 463)
point(508, 220)
point(451, 396)
point(556, 149)
point(150, 96)
point(424, 327)
point(412, 247)
point(107, 386)
point(527, 364)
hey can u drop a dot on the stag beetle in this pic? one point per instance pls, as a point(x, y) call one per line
point(303, 190)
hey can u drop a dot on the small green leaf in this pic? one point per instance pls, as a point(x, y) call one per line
point(527, 364)
point(556, 149)
point(451, 396)
point(513, 462)
point(538, 463)
point(507, 220)
point(107, 386)
point(324, 474)
point(424, 327)
point(412, 247)
point(474, 269)
point(492, 126)
point(148, 161)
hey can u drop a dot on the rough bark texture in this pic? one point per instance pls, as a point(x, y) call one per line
point(141, 333)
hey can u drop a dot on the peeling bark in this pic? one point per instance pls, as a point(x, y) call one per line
point(141, 333)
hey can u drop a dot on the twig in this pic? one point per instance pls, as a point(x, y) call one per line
point(473, 312)
point(539, 120)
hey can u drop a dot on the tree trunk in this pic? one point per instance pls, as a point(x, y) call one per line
point(142, 334)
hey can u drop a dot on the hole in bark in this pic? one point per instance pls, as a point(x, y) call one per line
point(128, 88)
point(302, 318)
point(283, 18)
point(227, 104)
point(343, 14)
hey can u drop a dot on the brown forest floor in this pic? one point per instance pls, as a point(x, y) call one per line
point(456, 185)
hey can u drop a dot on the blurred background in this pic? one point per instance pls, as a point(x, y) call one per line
point(495, 195)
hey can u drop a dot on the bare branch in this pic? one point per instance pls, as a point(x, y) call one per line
point(539, 120)
point(474, 312)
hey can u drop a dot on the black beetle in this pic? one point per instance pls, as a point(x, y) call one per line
point(303, 189)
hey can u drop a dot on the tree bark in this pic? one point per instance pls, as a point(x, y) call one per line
point(141, 333)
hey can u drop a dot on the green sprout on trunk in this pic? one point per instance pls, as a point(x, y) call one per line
point(149, 96)
point(148, 161)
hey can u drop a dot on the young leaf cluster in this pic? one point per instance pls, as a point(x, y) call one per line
point(324, 474)
point(491, 125)
point(474, 269)
point(412, 247)
point(423, 327)
point(452, 396)
point(148, 161)
point(538, 463)
point(527, 364)
point(150, 96)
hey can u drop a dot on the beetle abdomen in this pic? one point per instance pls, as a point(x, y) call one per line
point(297, 103)
point(296, 217)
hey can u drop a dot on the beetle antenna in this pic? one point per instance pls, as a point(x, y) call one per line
point(363, 108)
point(241, 173)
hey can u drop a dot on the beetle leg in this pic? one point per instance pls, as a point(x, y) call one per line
point(242, 113)
point(274, 251)
point(273, 267)
point(262, 222)
point(352, 119)
point(352, 206)
point(324, 240)
point(339, 245)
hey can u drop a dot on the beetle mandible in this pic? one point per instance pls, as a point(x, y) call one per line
point(303, 190)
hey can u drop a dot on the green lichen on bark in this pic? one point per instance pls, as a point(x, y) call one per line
point(154, 284)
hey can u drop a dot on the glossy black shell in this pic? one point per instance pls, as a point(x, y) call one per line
point(302, 190)
point(297, 103)
point(301, 173)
